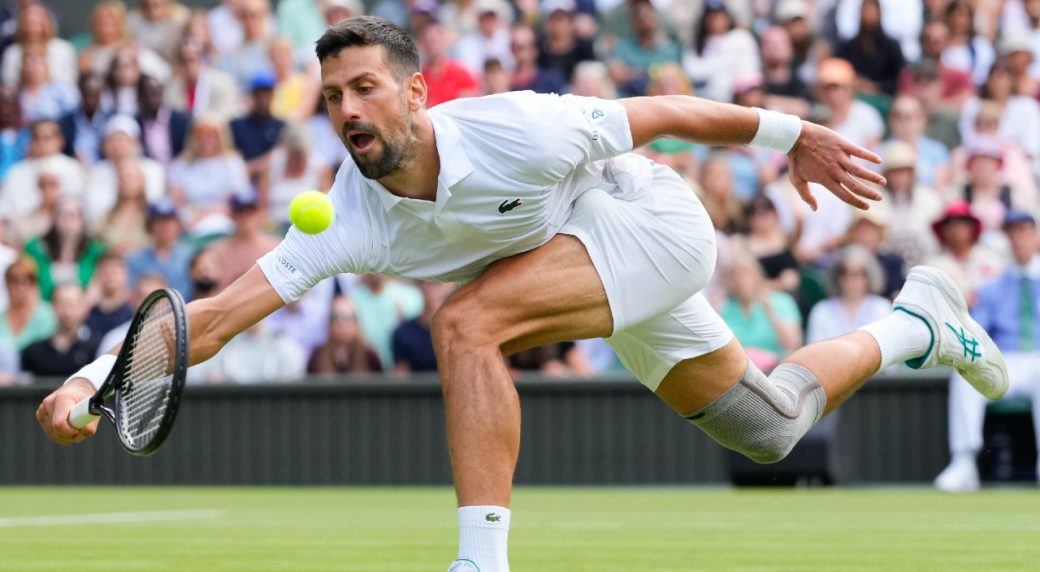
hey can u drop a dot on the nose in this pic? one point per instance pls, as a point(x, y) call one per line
point(349, 108)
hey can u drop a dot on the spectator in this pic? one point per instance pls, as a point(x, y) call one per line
point(306, 320)
point(1019, 120)
point(122, 228)
point(346, 350)
point(65, 253)
point(716, 192)
point(122, 82)
point(907, 123)
point(250, 57)
point(784, 90)
point(254, 356)
point(294, 167)
point(14, 137)
point(962, 257)
point(292, 87)
point(71, 346)
point(197, 32)
point(876, 57)
point(223, 19)
point(36, 223)
point(896, 19)
point(966, 50)
point(83, 126)
point(869, 231)
point(381, 304)
point(527, 74)
point(7, 256)
point(257, 133)
point(1015, 167)
point(562, 49)
point(303, 21)
point(491, 40)
point(37, 32)
point(121, 144)
point(334, 12)
point(446, 78)
point(238, 252)
point(200, 89)
point(941, 117)
point(771, 246)
point(855, 120)
point(722, 53)
point(203, 178)
point(1007, 308)
point(144, 286)
point(766, 322)
point(412, 342)
point(496, 79)
point(45, 144)
point(111, 292)
point(157, 25)
point(592, 79)
point(163, 130)
point(956, 84)
point(325, 141)
point(40, 97)
point(110, 32)
point(204, 272)
point(632, 58)
point(989, 194)
point(168, 256)
point(794, 17)
point(914, 206)
point(28, 318)
point(855, 282)
point(1017, 50)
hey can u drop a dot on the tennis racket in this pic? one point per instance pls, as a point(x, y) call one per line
point(141, 395)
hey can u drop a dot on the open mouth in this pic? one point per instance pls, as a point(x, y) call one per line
point(361, 142)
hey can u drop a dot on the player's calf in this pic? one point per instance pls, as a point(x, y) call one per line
point(764, 417)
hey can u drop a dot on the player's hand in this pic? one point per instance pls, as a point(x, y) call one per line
point(824, 157)
point(53, 413)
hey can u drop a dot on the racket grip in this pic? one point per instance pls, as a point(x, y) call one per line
point(80, 416)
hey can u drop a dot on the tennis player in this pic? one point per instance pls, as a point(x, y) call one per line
point(558, 232)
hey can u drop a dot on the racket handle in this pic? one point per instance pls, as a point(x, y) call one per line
point(80, 416)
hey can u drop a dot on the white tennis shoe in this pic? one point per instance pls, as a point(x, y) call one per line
point(463, 566)
point(957, 339)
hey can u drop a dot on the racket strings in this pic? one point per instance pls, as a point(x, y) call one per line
point(147, 375)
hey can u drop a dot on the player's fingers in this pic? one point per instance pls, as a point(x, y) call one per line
point(863, 173)
point(857, 151)
point(802, 186)
point(90, 429)
point(860, 188)
point(835, 186)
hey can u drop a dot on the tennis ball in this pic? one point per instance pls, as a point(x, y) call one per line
point(311, 212)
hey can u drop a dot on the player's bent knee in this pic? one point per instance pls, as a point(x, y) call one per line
point(459, 325)
point(764, 417)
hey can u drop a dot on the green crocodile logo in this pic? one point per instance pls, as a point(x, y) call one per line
point(507, 206)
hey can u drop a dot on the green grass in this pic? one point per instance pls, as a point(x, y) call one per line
point(595, 529)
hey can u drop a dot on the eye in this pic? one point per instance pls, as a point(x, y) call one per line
point(364, 89)
point(331, 97)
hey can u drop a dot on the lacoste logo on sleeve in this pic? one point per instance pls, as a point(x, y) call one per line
point(507, 206)
point(287, 265)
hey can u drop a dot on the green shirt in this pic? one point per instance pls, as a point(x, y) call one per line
point(753, 329)
point(41, 325)
point(85, 265)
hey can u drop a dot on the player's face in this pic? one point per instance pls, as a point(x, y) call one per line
point(371, 109)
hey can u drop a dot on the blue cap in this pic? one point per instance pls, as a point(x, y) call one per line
point(1015, 216)
point(163, 208)
point(262, 80)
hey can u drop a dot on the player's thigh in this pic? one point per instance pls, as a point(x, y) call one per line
point(550, 294)
point(688, 356)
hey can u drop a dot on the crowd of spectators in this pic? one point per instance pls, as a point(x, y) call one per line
point(160, 146)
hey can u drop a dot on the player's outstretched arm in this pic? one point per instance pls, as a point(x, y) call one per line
point(212, 322)
point(817, 154)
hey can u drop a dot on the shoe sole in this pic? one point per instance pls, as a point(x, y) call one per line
point(939, 280)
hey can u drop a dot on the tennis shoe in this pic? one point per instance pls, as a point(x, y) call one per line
point(957, 340)
point(463, 566)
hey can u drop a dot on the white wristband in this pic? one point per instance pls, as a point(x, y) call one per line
point(776, 131)
point(96, 371)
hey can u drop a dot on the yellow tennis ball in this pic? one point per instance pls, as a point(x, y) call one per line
point(311, 212)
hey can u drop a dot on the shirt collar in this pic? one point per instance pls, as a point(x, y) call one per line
point(455, 164)
point(1031, 270)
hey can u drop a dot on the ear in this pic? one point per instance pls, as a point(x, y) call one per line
point(416, 91)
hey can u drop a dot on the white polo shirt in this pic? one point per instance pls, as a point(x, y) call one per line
point(512, 166)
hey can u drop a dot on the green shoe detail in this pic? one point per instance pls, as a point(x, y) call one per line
point(917, 362)
point(969, 343)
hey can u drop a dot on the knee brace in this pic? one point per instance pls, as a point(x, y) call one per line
point(763, 417)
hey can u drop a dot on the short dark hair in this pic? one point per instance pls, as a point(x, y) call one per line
point(401, 54)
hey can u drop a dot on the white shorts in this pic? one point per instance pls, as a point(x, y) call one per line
point(654, 249)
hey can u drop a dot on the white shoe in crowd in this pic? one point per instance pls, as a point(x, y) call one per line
point(961, 476)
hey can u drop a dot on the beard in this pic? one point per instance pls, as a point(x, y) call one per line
point(377, 164)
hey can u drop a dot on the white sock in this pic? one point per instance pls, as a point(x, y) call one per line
point(901, 337)
point(484, 537)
